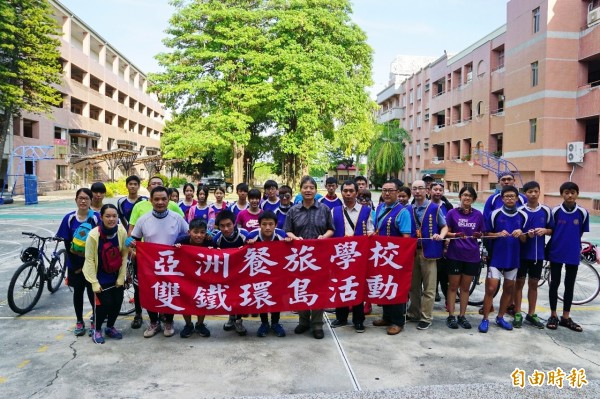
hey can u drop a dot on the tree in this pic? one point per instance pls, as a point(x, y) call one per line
point(298, 67)
point(29, 64)
point(386, 156)
point(321, 67)
point(215, 77)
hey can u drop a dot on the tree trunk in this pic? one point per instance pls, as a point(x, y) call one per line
point(5, 119)
point(238, 164)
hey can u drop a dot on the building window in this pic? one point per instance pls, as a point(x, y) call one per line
point(30, 129)
point(532, 130)
point(61, 172)
point(534, 74)
point(411, 97)
point(536, 20)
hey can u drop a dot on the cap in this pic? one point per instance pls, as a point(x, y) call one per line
point(505, 173)
point(427, 177)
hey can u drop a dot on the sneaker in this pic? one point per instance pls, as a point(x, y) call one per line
point(263, 330)
point(187, 331)
point(202, 330)
point(92, 327)
point(518, 320)
point(484, 326)
point(113, 333)
point(451, 322)
point(79, 329)
point(152, 330)
point(97, 337)
point(137, 322)
point(278, 329)
point(463, 322)
point(229, 324)
point(423, 325)
point(239, 327)
point(359, 327)
point(511, 310)
point(169, 330)
point(535, 321)
point(503, 323)
point(339, 323)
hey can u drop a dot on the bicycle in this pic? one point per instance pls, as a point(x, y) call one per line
point(27, 283)
point(587, 283)
point(477, 289)
point(128, 305)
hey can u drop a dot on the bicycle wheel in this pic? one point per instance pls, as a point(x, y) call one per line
point(57, 270)
point(587, 284)
point(128, 305)
point(545, 274)
point(25, 288)
point(477, 290)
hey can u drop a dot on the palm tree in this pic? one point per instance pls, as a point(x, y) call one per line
point(386, 156)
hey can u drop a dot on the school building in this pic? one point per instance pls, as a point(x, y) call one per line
point(105, 108)
point(524, 98)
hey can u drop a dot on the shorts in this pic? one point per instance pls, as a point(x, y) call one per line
point(495, 273)
point(458, 267)
point(75, 279)
point(531, 268)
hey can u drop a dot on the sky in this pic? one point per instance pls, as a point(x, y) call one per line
point(393, 27)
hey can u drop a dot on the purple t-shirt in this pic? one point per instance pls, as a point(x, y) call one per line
point(248, 220)
point(466, 250)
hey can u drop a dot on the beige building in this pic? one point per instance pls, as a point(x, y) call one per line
point(105, 107)
point(526, 97)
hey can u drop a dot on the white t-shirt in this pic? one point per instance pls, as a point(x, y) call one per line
point(160, 231)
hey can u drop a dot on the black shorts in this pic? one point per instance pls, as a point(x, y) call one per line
point(458, 267)
point(75, 279)
point(531, 268)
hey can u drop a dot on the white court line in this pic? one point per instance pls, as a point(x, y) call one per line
point(12, 252)
point(342, 353)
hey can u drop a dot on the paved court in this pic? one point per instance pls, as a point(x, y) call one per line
point(42, 358)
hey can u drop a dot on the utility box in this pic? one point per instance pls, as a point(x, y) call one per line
point(575, 152)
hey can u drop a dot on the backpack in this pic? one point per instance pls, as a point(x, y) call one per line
point(111, 256)
point(81, 234)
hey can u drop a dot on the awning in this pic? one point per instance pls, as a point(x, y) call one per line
point(84, 133)
point(434, 171)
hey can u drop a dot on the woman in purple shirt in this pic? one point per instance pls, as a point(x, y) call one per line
point(463, 255)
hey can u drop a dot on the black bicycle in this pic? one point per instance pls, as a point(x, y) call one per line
point(128, 305)
point(477, 289)
point(27, 284)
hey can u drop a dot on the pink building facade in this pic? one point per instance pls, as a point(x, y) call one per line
point(105, 107)
point(528, 93)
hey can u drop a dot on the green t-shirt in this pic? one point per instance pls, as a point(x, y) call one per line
point(144, 207)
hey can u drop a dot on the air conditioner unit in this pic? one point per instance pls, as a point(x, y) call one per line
point(575, 152)
point(593, 16)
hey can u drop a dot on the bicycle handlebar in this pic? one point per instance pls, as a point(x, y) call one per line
point(33, 235)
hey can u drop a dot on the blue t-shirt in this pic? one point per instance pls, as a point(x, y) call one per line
point(267, 205)
point(495, 202)
point(66, 230)
point(185, 208)
point(540, 217)
point(331, 203)
point(298, 198)
point(125, 206)
point(200, 213)
point(236, 240)
point(506, 253)
point(569, 226)
point(278, 235)
point(281, 215)
point(235, 208)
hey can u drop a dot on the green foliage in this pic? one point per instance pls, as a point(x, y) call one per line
point(116, 188)
point(178, 182)
point(237, 69)
point(164, 178)
point(29, 66)
point(386, 156)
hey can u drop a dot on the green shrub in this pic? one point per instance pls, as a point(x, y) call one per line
point(177, 182)
point(164, 178)
point(116, 188)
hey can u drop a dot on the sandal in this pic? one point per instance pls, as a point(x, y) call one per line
point(570, 324)
point(552, 323)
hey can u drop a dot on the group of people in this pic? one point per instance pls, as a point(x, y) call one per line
point(513, 227)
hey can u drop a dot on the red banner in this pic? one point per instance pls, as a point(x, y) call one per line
point(274, 277)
